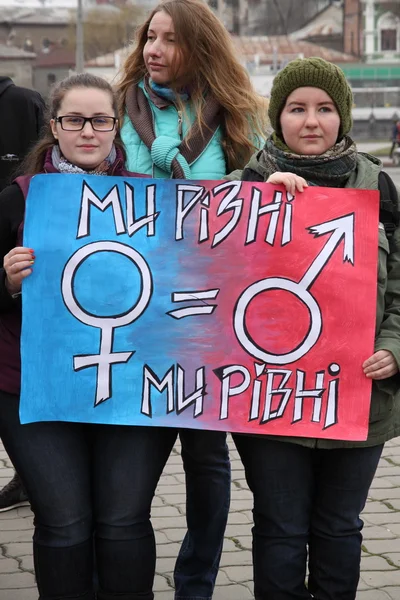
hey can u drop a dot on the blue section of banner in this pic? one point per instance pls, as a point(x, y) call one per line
point(103, 285)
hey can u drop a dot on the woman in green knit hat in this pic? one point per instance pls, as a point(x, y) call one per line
point(308, 493)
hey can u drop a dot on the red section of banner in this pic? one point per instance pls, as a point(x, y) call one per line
point(305, 313)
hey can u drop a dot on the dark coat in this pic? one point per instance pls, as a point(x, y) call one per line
point(21, 119)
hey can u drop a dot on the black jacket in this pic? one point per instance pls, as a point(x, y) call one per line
point(21, 119)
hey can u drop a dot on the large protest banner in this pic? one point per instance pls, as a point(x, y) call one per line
point(211, 305)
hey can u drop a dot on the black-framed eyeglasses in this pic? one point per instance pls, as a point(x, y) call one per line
point(77, 123)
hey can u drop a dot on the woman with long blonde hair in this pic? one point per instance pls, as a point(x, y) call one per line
point(189, 111)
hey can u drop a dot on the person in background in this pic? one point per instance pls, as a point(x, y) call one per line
point(309, 493)
point(21, 119)
point(395, 137)
point(189, 112)
point(90, 485)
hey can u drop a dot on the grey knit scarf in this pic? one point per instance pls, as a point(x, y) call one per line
point(331, 169)
point(64, 166)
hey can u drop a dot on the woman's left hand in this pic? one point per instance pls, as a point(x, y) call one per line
point(380, 365)
point(293, 183)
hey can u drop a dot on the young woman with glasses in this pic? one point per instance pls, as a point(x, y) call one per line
point(90, 486)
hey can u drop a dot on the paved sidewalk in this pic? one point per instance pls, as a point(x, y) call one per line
point(380, 579)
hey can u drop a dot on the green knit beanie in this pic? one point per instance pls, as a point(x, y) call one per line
point(312, 72)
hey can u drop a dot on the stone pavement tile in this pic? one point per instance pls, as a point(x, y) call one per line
point(382, 546)
point(239, 573)
point(232, 592)
point(165, 489)
point(161, 537)
point(164, 511)
point(378, 532)
point(393, 479)
point(168, 480)
point(8, 565)
point(388, 470)
point(18, 524)
point(381, 579)
point(231, 546)
point(16, 549)
point(384, 494)
point(163, 523)
point(169, 550)
point(394, 528)
point(375, 563)
point(241, 494)
point(222, 578)
point(389, 518)
point(375, 506)
point(231, 559)
point(5, 471)
point(9, 581)
point(393, 592)
point(16, 536)
point(171, 499)
point(161, 584)
point(241, 504)
point(26, 563)
point(172, 534)
point(236, 531)
point(24, 511)
point(383, 482)
point(393, 557)
point(374, 595)
point(165, 565)
point(393, 454)
point(244, 541)
point(243, 517)
point(392, 504)
point(21, 594)
point(157, 501)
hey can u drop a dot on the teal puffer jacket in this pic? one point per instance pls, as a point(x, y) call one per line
point(170, 128)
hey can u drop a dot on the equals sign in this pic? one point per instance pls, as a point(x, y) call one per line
point(197, 309)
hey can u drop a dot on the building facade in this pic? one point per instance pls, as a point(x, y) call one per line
point(381, 30)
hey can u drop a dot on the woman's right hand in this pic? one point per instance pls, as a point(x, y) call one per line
point(18, 265)
point(293, 183)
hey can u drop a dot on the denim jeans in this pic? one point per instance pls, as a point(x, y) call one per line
point(90, 487)
point(306, 497)
point(208, 479)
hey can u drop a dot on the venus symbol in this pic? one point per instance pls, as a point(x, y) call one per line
point(106, 357)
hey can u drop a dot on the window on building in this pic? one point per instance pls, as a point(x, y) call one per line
point(388, 39)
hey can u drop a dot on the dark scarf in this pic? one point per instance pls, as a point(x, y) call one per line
point(184, 152)
point(331, 169)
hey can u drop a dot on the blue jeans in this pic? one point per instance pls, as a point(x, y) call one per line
point(208, 479)
point(90, 488)
point(306, 497)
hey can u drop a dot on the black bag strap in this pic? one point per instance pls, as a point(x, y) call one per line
point(389, 214)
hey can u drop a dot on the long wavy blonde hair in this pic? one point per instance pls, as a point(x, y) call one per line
point(206, 49)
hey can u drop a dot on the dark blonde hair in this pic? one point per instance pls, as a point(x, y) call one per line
point(34, 160)
point(206, 50)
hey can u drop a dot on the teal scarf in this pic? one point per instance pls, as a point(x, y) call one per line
point(168, 93)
